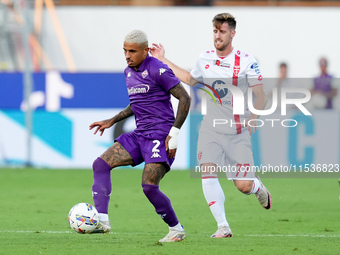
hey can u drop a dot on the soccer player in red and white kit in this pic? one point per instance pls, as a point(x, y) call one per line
point(228, 144)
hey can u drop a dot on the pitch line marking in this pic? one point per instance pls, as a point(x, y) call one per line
point(138, 233)
point(280, 235)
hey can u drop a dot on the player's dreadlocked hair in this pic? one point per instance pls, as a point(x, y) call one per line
point(220, 18)
point(137, 36)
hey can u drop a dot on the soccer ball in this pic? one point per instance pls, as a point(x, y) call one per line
point(83, 218)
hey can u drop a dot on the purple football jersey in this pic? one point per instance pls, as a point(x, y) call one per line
point(324, 84)
point(148, 90)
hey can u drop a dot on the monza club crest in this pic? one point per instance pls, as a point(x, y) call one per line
point(199, 155)
point(236, 70)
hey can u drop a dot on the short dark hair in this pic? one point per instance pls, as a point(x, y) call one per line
point(220, 18)
point(283, 64)
point(323, 61)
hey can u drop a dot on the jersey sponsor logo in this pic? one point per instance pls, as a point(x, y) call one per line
point(219, 63)
point(162, 70)
point(254, 66)
point(155, 155)
point(207, 66)
point(221, 90)
point(236, 70)
point(145, 73)
point(138, 89)
point(224, 102)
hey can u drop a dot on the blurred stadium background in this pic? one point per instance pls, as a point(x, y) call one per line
point(61, 68)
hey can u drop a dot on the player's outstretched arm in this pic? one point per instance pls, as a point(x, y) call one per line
point(104, 124)
point(182, 112)
point(158, 51)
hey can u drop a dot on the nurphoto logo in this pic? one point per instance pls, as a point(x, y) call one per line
point(238, 105)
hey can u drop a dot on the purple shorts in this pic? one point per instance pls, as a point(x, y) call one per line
point(145, 148)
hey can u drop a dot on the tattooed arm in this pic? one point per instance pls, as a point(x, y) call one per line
point(102, 125)
point(182, 112)
point(183, 105)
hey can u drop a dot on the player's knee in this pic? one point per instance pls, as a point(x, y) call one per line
point(150, 180)
point(153, 173)
point(245, 188)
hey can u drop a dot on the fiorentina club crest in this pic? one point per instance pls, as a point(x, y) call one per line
point(145, 73)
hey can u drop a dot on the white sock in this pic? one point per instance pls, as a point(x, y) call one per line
point(177, 227)
point(256, 187)
point(103, 217)
point(214, 196)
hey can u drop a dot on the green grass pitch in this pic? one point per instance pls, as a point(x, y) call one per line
point(304, 219)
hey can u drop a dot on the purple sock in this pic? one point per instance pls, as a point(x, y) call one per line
point(101, 189)
point(161, 203)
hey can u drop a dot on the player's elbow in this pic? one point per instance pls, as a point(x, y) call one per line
point(262, 96)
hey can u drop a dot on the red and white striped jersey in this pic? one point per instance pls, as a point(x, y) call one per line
point(238, 69)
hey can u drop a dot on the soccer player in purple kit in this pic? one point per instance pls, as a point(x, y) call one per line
point(150, 84)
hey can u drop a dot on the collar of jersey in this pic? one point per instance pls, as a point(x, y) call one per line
point(225, 57)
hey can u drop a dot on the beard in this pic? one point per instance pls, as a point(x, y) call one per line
point(223, 46)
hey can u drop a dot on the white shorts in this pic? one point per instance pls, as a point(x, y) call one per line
point(230, 152)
